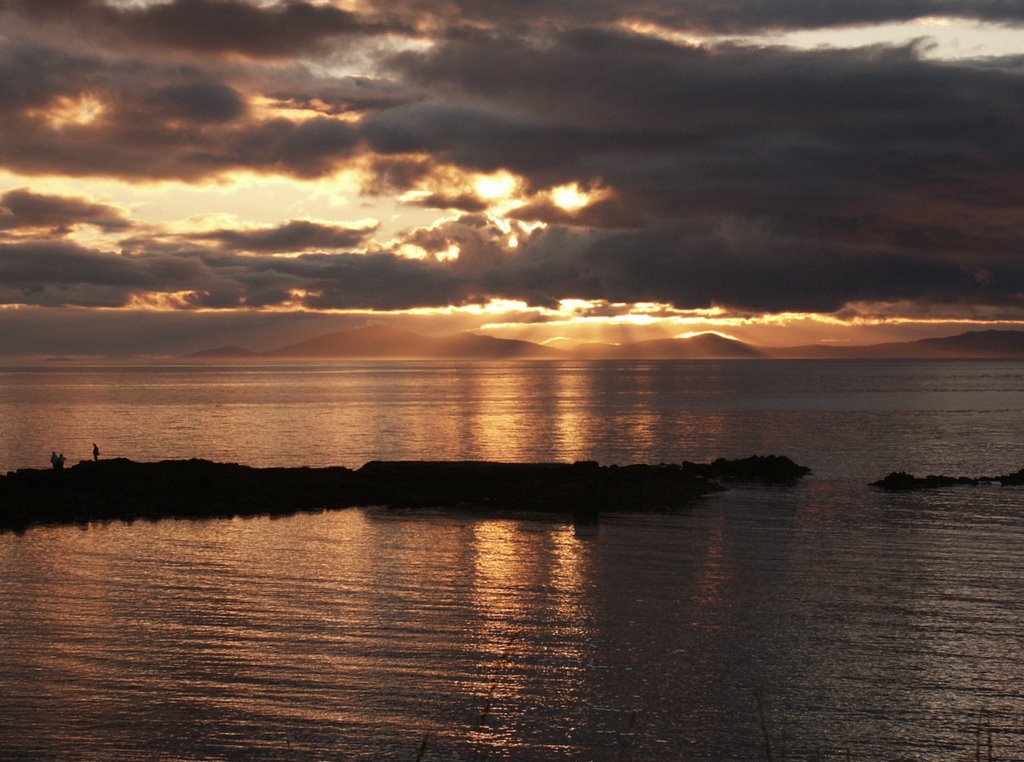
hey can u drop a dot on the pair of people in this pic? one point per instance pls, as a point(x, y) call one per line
point(57, 461)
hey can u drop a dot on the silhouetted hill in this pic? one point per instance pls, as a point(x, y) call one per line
point(382, 342)
point(996, 344)
point(705, 346)
point(970, 345)
point(475, 345)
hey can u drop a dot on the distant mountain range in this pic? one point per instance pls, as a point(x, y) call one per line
point(704, 346)
point(383, 342)
point(964, 346)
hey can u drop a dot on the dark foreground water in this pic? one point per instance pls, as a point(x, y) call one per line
point(832, 617)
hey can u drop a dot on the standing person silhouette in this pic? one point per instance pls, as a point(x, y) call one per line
point(95, 452)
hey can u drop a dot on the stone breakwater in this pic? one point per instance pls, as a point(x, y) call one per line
point(121, 489)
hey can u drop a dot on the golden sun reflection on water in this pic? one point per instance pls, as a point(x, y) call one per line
point(357, 633)
point(524, 580)
point(714, 573)
point(570, 422)
point(504, 427)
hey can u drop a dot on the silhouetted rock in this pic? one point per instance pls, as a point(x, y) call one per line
point(900, 481)
point(768, 469)
point(1013, 479)
point(125, 490)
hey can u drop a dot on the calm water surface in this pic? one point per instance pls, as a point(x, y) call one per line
point(849, 620)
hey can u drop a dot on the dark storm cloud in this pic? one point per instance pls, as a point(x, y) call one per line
point(46, 273)
point(297, 235)
point(43, 273)
point(757, 178)
point(152, 121)
point(296, 88)
point(59, 274)
point(862, 167)
point(697, 265)
point(218, 27)
point(377, 281)
point(741, 269)
point(297, 28)
point(483, 139)
point(381, 281)
point(703, 16)
point(653, 99)
point(198, 102)
point(308, 149)
point(64, 263)
point(22, 208)
point(32, 77)
point(754, 15)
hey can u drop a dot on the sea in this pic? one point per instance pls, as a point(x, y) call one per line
point(827, 620)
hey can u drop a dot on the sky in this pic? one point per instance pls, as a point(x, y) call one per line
point(183, 174)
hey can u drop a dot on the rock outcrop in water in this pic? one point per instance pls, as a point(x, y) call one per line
point(768, 469)
point(901, 481)
point(121, 489)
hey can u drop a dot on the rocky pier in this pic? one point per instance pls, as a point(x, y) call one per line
point(126, 490)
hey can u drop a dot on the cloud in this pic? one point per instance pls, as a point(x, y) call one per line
point(45, 273)
point(690, 267)
point(210, 27)
point(293, 236)
point(61, 273)
point(22, 208)
point(90, 116)
point(734, 265)
point(455, 16)
point(699, 16)
point(871, 153)
point(277, 30)
point(198, 102)
point(757, 178)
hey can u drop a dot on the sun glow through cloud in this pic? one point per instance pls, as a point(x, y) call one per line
point(500, 186)
point(80, 111)
point(448, 255)
point(571, 198)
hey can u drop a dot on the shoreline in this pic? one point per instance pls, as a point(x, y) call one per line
point(120, 489)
